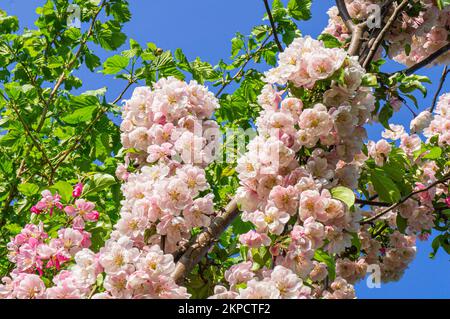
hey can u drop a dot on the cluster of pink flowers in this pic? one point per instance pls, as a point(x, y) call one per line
point(170, 127)
point(305, 62)
point(47, 203)
point(418, 210)
point(440, 123)
point(129, 273)
point(393, 258)
point(35, 254)
point(287, 194)
point(276, 283)
point(422, 34)
point(171, 139)
point(277, 189)
point(169, 124)
point(165, 197)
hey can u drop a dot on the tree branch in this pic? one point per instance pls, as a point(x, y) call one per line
point(404, 199)
point(21, 170)
point(204, 241)
point(63, 155)
point(357, 35)
point(371, 203)
point(436, 54)
point(379, 39)
point(69, 66)
point(32, 137)
point(343, 13)
point(238, 73)
point(272, 24)
point(441, 83)
point(375, 31)
point(357, 30)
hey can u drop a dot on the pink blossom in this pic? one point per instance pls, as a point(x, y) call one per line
point(253, 239)
point(30, 286)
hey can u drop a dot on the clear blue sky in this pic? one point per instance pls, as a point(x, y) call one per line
point(204, 28)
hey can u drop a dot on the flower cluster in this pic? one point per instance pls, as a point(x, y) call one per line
point(418, 210)
point(277, 283)
point(165, 198)
point(440, 124)
point(305, 62)
point(411, 38)
point(396, 251)
point(36, 254)
point(303, 150)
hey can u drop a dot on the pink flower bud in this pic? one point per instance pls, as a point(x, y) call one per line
point(77, 190)
point(35, 210)
point(447, 201)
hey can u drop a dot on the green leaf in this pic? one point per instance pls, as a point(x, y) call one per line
point(394, 170)
point(407, 49)
point(270, 57)
point(99, 182)
point(434, 153)
point(369, 79)
point(236, 45)
point(386, 189)
point(435, 245)
point(64, 189)
point(109, 36)
point(329, 41)
point(322, 256)
point(385, 114)
point(401, 223)
point(28, 189)
point(120, 11)
point(92, 61)
point(8, 24)
point(300, 9)
point(442, 4)
point(83, 100)
point(344, 194)
point(14, 229)
point(83, 114)
point(202, 71)
point(241, 227)
point(115, 64)
point(356, 241)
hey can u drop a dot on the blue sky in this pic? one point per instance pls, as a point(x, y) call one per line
point(204, 28)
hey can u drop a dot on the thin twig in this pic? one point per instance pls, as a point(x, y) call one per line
point(62, 77)
point(376, 31)
point(249, 58)
point(357, 30)
point(379, 39)
point(62, 156)
point(370, 198)
point(272, 24)
point(380, 230)
point(438, 91)
point(404, 199)
point(436, 54)
point(343, 13)
point(371, 203)
point(32, 137)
